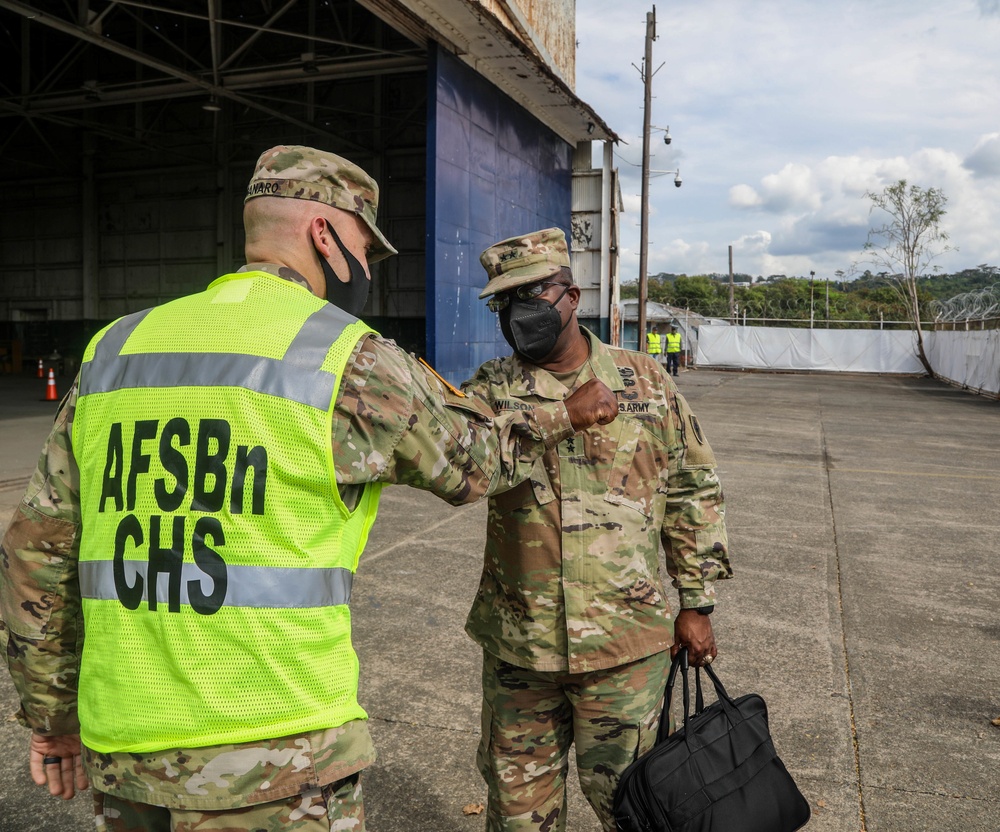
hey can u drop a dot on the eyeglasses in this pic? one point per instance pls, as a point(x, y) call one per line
point(532, 290)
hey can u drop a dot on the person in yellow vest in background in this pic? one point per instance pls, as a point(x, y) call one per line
point(174, 585)
point(673, 340)
point(654, 345)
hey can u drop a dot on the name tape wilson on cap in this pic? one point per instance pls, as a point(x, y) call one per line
point(299, 172)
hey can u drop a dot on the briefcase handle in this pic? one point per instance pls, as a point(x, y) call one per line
point(680, 662)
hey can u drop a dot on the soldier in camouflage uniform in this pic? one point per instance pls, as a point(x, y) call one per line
point(310, 218)
point(571, 614)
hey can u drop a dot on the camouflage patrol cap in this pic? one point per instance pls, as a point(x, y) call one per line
point(526, 258)
point(301, 172)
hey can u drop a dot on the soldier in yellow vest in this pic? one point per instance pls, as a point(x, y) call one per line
point(673, 340)
point(201, 505)
point(653, 344)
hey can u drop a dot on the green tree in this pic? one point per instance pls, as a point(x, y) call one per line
point(701, 294)
point(906, 243)
point(968, 280)
point(660, 290)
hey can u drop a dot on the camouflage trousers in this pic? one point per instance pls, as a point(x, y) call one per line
point(531, 719)
point(336, 807)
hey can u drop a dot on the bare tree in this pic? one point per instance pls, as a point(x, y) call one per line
point(906, 244)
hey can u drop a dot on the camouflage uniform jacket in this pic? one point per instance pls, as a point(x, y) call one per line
point(571, 578)
point(395, 423)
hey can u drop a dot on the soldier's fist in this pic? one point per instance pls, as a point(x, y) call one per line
point(591, 402)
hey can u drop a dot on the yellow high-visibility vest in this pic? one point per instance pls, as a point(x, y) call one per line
point(673, 342)
point(217, 555)
point(653, 343)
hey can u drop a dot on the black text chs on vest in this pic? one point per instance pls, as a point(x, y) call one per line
point(206, 490)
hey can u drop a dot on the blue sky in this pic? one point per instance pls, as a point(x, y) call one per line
point(784, 113)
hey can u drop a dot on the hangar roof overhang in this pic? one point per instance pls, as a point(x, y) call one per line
point(479, 38)
point(465, 27)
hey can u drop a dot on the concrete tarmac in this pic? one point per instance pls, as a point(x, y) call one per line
point(864, 526)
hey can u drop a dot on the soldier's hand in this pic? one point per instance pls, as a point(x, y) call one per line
point(591, 402)
point(57, 762)
point(694, 632)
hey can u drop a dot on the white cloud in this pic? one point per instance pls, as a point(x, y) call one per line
point(665, 258)
point(631, 202)
point(756, 243)
point(985, 157)
point(830, 218)
point(785, 113)
point(743, 196)
point(792, 189)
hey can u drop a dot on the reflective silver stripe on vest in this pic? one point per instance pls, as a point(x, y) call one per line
point(308, 385)
point(248, 586)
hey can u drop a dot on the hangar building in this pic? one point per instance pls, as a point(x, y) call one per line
point(130, 129)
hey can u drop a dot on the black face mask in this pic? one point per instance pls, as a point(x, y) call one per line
point(353, 295)
point(532, 327)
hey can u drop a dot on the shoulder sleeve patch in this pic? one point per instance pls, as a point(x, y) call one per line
point(698, 453)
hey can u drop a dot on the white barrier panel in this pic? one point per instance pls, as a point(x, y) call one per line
point(831, 350)
point(969, 359)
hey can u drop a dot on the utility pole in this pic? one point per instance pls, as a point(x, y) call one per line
point(732, 299)
point(812, 305)
point(828, 303)
point(647, 77)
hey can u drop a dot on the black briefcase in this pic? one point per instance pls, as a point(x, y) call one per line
point(717, 773)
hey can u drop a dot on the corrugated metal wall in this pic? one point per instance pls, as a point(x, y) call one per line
point(493, 171)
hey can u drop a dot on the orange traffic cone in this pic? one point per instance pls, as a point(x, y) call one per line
point(50, 389)
point(41, 372)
